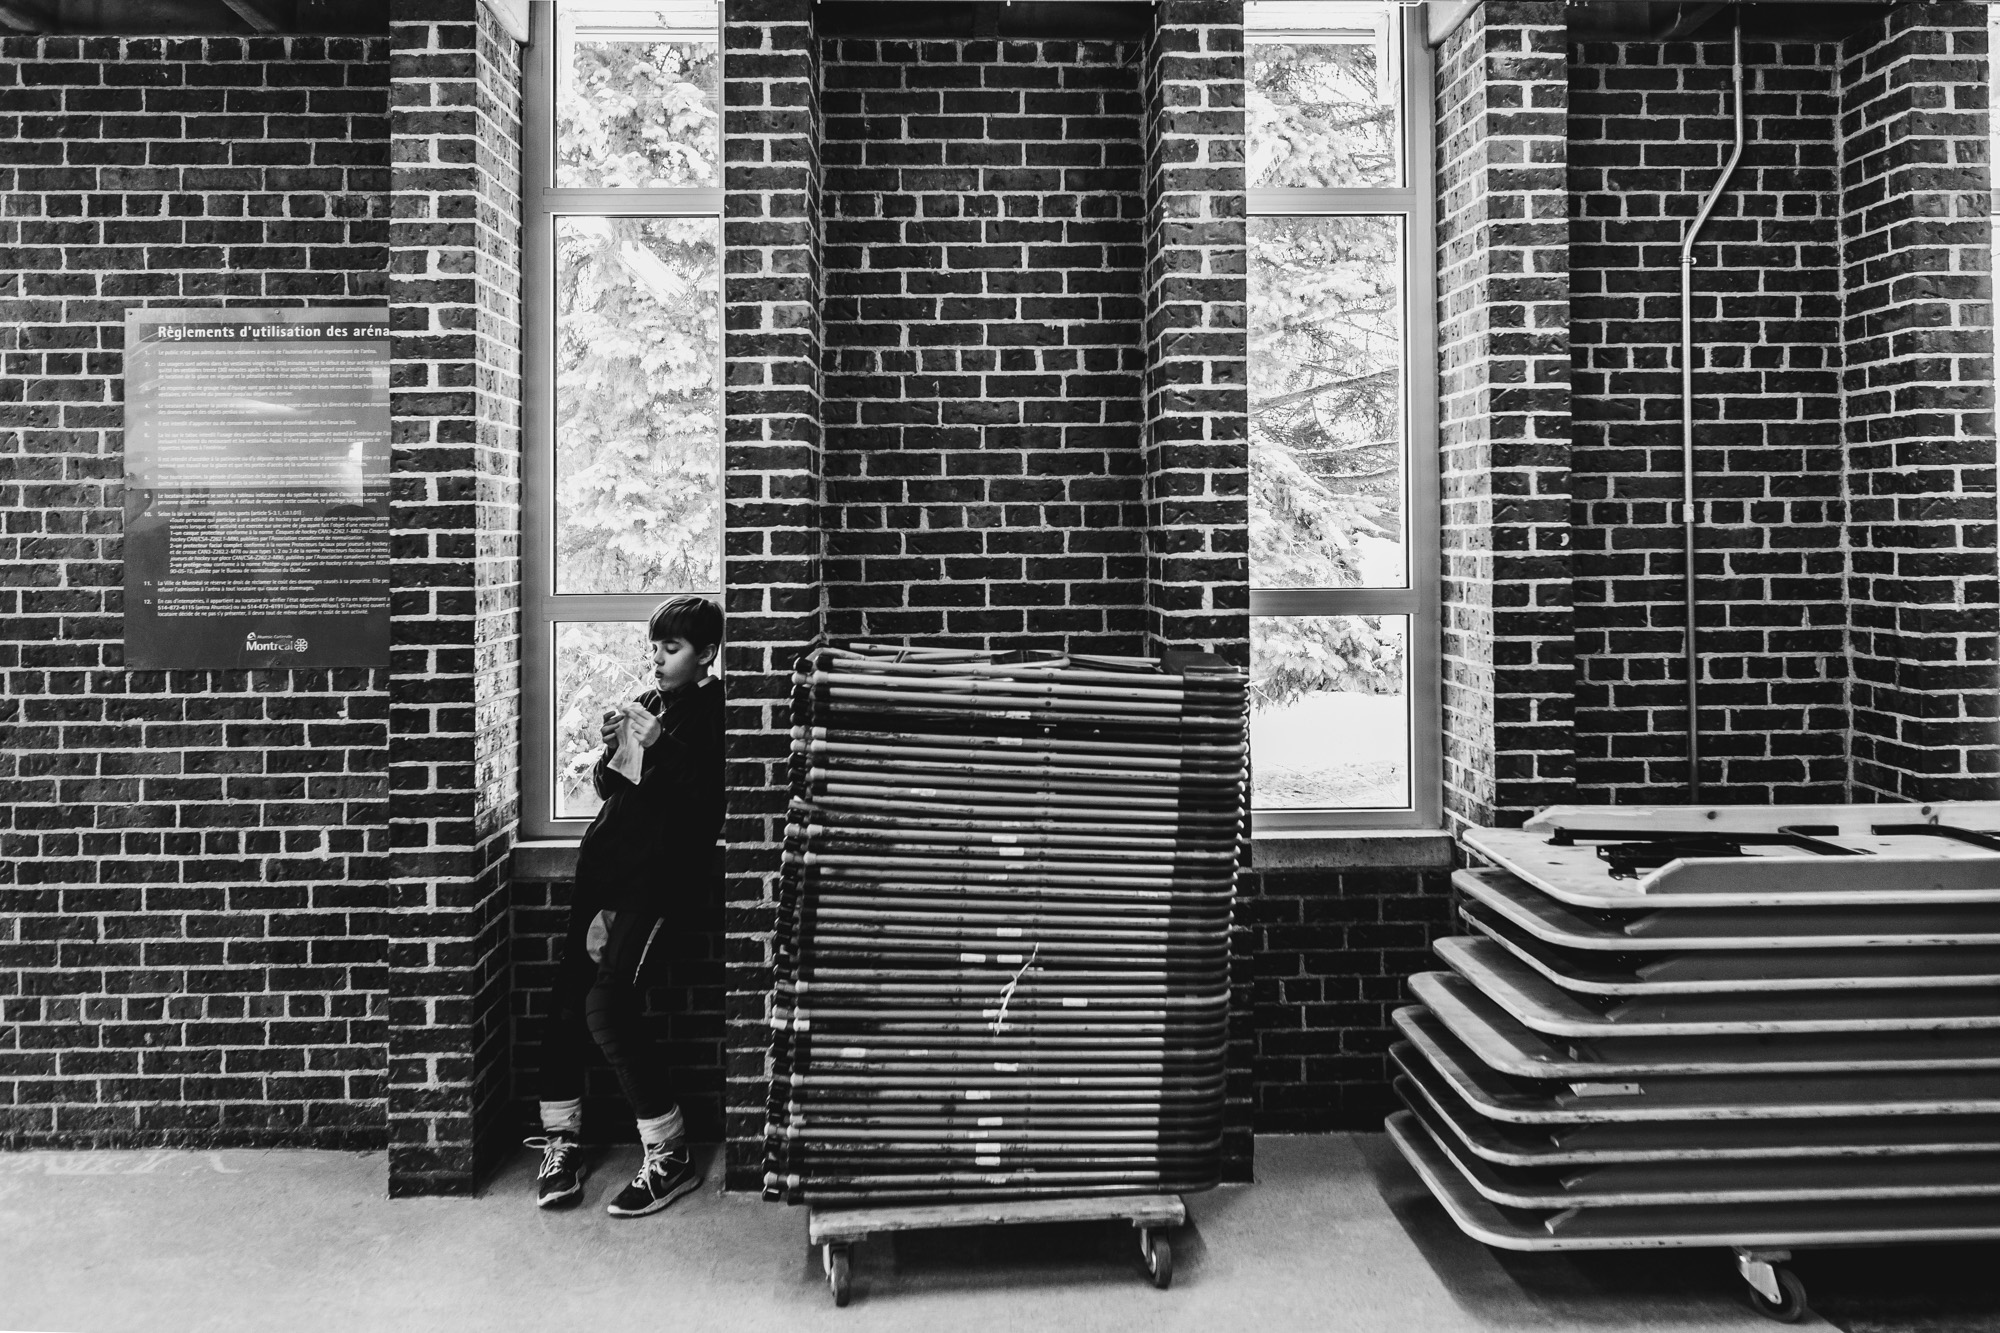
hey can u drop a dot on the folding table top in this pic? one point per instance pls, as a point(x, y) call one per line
point(1540, 1004)
point(1654, 1184)
point(1797, 1225)
point(1610, 858)
point(1740, 971)
point(1504, 1043)
point(1725, 1099)
point(1868, 928)
point(1680, 1142)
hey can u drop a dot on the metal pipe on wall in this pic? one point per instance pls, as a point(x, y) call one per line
point(1687, 418)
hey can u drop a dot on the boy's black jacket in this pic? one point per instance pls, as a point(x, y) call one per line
point(652, 846)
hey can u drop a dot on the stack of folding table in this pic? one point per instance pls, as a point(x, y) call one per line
point(1762, 1028)
point(1002, 958)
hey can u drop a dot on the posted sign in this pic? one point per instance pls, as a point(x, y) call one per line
point(256, 488)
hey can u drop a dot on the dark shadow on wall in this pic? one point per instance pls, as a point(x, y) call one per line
point(965, 20)
point(685, 1012)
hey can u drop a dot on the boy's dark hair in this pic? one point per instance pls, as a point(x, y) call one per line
point(695, 619)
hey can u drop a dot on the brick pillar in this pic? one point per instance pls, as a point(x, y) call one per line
point(1195, 449)
point(771, 409)
point(1196, 442)
point(1503, 412)
point(1916, 237)
point(454, 285)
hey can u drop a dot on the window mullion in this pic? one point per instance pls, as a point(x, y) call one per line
point(664, 202)
point(1335, 601)
point(1292, 201)
point(597, 605)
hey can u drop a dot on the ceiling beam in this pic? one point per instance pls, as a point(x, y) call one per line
point(259, 14)
point(1687, 18)
point(24, 17)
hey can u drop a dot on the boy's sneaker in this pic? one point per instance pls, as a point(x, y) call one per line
point(664, 1176)
point(560, 1181)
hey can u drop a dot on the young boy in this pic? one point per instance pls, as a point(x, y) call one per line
point(644, 864)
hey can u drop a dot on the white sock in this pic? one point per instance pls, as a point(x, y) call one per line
point(663, 1131)
point(563, 1117)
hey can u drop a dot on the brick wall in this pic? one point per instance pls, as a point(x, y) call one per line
point(191, 862)
point(455, 257)
point(1916, 254)
point(272, 907)
point(1331, 950)
point(1650, 128)
point(772, 422)
point(983, 254)
point(1503, 412)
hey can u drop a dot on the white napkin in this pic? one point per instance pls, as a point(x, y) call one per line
point(598, 934)
point(630, 753)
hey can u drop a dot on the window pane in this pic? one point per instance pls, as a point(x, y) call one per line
point(1322, 96)
point(636, 106)
point(1327, 457)
point(598, 667)
point(1330, 712)
point(638, 405)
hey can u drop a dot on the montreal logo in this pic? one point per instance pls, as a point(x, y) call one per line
point(253, 642)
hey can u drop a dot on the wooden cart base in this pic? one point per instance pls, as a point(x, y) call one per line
point(835, 1231)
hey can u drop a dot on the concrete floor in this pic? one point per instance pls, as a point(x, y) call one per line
point(1337, 1235)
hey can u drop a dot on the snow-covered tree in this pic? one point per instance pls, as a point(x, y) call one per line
point(1326, 441)
point(638, 114)
point(1317, 118)
point(638, 405)
point(1326, 382)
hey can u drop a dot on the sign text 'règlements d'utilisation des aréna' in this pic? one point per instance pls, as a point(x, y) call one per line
point(256, 488)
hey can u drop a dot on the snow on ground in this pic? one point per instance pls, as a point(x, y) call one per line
point(1332, 751)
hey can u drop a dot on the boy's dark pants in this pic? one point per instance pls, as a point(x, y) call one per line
point(603, 1000)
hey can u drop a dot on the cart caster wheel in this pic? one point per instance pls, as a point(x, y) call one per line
point(1791, 1302)
point(839, 1274)
point(839, 1269)
point(1159, 1255)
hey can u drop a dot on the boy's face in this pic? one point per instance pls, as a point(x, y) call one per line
point(676, 662)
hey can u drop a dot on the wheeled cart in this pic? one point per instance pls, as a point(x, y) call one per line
point(835, 1231)
point(1001, 959)
point(1760, 1029)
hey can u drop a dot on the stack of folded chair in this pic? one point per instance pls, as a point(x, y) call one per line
point(1002, 960)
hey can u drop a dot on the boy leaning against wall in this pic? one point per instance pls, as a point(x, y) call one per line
point(641, 874)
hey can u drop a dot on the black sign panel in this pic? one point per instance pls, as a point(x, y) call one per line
point(256, 488)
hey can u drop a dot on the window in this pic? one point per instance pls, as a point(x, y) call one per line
point(622, 452)
point(1343, 472)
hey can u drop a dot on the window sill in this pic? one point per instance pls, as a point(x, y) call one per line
point(551, 860)
point(545, 860)
point(1288, 849)
point(1351, 849)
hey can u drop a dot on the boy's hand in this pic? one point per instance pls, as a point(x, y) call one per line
point(609, 730)
point(648, 726)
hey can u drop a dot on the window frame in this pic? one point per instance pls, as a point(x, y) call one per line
point(1420, 600)
point(542, 607)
